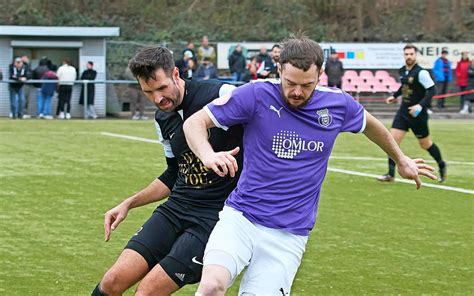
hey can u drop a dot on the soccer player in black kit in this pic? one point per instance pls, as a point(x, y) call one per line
point(416, 90)
point(166, 252)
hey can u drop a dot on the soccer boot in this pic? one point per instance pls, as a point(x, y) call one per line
point(386, 178)
point(443, 171)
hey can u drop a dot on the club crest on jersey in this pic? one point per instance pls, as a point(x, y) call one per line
point(410, 80)
point(324, 118)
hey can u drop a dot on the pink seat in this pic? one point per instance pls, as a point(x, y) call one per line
point(379, 87)
point(392, 87)
point(381, 74)
point(357, 80)
point(372, 81)
point(364, 87)
point(350, 73)
point(388, 80)
point(366, 74)
point(349, 87)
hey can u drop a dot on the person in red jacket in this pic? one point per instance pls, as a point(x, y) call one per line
point(461, 78)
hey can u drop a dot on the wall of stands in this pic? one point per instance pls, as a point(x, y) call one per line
point(363, 55)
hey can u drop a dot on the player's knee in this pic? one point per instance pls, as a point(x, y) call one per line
point(425, 144)
point(212, 287)
point(112, 284)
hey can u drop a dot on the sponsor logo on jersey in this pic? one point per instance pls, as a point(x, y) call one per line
point(288, 144)
point(324, 118)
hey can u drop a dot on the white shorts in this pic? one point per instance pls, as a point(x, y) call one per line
point(272, 256)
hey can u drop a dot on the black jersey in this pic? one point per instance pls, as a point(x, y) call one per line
point(198, 194)
point(412, 89)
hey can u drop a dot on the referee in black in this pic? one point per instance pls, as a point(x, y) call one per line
point(166, 252)
point(416, 90)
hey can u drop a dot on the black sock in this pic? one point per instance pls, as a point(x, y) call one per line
point(97, 291)
point(436, 154)
point(391, 167)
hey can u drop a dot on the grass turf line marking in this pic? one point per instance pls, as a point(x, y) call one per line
point(443, 187)
point(385, 159)
point(130, 137)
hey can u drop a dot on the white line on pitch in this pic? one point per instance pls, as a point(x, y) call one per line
point(130, 137)
point(443, 187)
point(385, 159)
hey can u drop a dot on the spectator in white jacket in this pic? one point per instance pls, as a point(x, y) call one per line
point(66, 76)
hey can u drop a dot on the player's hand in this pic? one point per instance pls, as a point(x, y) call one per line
point(113, 218)
point(390, 100)
point(414, 168)
point(414, 109)
point(222, 163)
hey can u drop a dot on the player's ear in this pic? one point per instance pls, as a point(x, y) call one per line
point(175, 74)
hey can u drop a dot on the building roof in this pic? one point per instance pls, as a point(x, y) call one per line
point(59, 31)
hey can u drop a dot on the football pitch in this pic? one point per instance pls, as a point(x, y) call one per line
point(57, 178)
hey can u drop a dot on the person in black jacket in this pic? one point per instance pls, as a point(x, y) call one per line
point(334, 70)
point(237, 63)
point(18, 72)
point(89, 74)
point(166, 252)
point(416, 90)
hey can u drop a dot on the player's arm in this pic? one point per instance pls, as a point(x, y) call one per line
point(195, 129)
point(157, 190)
point(392, 99)
point(408, 168)
point(429, 85)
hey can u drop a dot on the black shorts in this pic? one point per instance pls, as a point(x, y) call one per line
point(419, 124)
point(176, 244)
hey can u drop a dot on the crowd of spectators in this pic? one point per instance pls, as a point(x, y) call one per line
point(62, 83)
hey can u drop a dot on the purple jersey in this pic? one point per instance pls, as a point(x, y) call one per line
point(286, 151)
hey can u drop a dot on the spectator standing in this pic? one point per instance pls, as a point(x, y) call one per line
point(190, 49)
point(186, 65)
point(89, 74)
point(470, 86)
point(18, 73)
point(66, 76)
point(47, 93)
point(38, 73)
point(263, 57)
point(461, 79)
point(26, 87)
point(206, 70)
point(443, 75)
point(136, 97)
point(206, 51)
point(334, 70)
point(237, 63)
point(251, 73)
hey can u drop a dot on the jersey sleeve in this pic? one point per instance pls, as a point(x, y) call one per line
point(166, 144)
point(354, 120)
point(425, 79)
point(232, 109)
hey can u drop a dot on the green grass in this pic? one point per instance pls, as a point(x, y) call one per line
point(57, 178)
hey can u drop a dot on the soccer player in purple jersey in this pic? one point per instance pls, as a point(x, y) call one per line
point(289, 130)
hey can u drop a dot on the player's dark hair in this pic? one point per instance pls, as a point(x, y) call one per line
point(410, 46)
point(276, 46)
point(301, 52)
point(145, 63)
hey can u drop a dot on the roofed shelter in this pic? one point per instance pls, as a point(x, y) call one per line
point(78, 44)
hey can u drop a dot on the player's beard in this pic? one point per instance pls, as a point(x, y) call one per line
point(302, 100)
point(174, 99)
point(410, 62)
